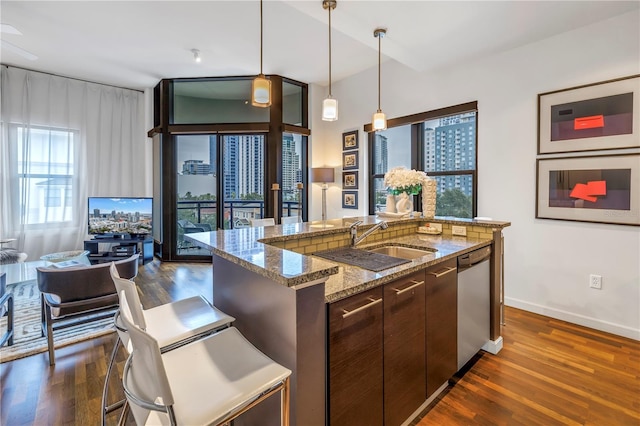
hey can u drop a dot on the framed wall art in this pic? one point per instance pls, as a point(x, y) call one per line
point(350, 160)
point(596, 116)
point(350, 180)
point(603, 188)
point(349, 199)
point(350, 140)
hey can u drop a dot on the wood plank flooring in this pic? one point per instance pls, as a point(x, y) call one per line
point(549, 372)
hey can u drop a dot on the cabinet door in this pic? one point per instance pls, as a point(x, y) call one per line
point(404, 348)
point(355, 360)
point(442, 328)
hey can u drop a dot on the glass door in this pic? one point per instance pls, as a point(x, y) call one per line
point(243, 179)
point(196, 200)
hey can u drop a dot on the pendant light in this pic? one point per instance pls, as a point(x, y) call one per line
point(329, 105)
point(379, 120)
point(261, 86)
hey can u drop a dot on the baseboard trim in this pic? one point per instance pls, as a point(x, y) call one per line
point(608, 327)
point(493, 346)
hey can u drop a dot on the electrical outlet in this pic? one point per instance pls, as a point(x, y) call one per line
point(459, 230)
point(595, 281)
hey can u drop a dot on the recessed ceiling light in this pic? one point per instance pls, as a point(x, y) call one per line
point(196, 55)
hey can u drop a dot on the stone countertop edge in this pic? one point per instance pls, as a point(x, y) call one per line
point(249, 248)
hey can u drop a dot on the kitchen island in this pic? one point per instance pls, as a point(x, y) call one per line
point(282, 295)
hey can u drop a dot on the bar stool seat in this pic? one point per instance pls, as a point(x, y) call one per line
point(172, 325)
point(181, 321)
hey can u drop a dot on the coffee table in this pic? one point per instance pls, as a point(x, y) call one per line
point(24, 271)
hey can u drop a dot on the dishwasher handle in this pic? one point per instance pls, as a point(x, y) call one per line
point(469, 259)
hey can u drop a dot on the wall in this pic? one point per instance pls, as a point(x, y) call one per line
point(547, 262)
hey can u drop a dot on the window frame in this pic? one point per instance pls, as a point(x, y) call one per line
point(23, 176)
point(416, 121)
point(164, 133)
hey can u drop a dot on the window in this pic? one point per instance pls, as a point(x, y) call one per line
point(45, 170)
point(442, 143)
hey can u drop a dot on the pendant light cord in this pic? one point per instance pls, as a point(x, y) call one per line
point(379, 43)
point(260, 37)
point(329, 50)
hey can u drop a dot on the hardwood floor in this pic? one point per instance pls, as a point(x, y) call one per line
point(549, 372)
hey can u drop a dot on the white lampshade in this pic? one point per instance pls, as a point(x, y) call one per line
point(379, 121)
point(261, 91)
point(330, 109)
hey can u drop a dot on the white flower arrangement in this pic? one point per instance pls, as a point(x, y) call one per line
point(400, 179)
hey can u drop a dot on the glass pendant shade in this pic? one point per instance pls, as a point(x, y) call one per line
point(379, 121)
point(261, 91)
point(330, 109)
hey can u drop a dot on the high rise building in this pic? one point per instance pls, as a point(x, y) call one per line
point(195, 167)
point(213, 154)
point(449, 147)
point(381, 160)
point(251, 165)
point(230, 166)
point(291, 172)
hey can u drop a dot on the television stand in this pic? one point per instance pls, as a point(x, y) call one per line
point(119, 248)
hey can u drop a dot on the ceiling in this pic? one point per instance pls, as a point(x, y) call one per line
point(134, 44)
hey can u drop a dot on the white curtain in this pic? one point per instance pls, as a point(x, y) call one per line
point(64, 140)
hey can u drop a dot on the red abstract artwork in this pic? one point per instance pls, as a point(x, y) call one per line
point(589, 191)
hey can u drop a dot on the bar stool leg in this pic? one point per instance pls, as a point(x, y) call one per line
point(285, 402)
point(105, 389)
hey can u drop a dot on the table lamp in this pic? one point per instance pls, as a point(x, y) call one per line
point(323, 175)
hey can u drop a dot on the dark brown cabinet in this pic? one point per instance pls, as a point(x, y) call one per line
point(404, 348)
point(392, 347)
point(355, 360)
point(441, 324)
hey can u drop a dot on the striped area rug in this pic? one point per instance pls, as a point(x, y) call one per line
point(27, 338)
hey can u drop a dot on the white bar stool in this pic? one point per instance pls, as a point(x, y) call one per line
point(172, 325)
point(209, 381)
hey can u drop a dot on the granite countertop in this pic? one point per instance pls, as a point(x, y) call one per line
point(250, 248)
point(351, 280)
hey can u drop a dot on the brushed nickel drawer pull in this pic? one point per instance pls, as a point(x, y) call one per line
point(361, 308)
point(439, 274)
point(415, 284)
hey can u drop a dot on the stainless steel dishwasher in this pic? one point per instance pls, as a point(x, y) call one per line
point(473, 303)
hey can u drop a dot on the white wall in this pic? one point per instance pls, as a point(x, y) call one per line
point(547, 262)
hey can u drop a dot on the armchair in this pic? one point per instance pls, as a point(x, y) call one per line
point(69, 295)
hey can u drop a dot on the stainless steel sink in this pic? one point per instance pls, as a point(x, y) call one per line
point(402, 252)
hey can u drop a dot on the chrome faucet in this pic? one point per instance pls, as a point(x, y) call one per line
point(355, 240)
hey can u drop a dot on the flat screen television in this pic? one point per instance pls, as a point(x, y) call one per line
point(120, 216)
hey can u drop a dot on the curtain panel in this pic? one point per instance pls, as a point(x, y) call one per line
point(64, 140)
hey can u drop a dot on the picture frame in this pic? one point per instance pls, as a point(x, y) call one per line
point(350, 160)
point(350, 140)
point(349, 199)
point(601, 188)
point(598, 116)
point(350, 180)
